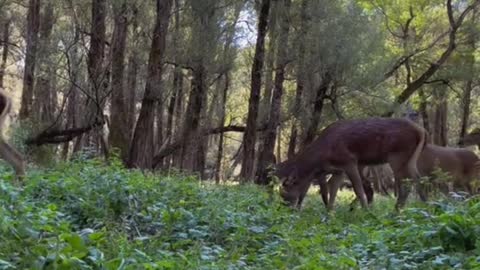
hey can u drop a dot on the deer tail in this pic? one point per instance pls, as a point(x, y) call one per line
point(412, 163)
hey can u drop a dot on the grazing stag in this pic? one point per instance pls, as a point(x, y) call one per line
point(345, 145)
point(7, 152)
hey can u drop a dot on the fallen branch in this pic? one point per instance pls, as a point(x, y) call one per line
point(61, 136)
point(171, 148)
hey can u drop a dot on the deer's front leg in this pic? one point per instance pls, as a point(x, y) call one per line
point(354, 175)
point(14, 158)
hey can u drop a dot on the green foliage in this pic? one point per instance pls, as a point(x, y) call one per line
point(86, 215)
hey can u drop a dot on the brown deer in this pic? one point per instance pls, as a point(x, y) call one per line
point(344, 145)
point(7, 152)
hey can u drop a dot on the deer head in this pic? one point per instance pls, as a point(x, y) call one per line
point(472, 138)
point(7, 152)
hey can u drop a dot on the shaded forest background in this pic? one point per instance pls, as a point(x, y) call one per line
point(224, 88)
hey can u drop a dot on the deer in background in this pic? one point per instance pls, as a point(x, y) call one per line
point(462, 165)
point(345, 145)
point(472, 138)
point(7, 152)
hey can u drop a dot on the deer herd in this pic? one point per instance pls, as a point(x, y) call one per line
point(347, 147)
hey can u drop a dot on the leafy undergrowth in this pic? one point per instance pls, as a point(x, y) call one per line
point(85, 215)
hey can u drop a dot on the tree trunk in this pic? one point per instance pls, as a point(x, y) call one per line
point(203, 39)
point(297, 107)
point(317, 110)
point(469, 83)
point(172, 119)
point(96, 75)
point(424, 110)
point(118, 136)
point(266, 97)
point(43, 106)
point(223, 102)
point(33, 25)
point(72, 95)
point(250, 136)
point(5, 49)
point(132, 73)
point(440, 124)
point(266, 157)
point(190, 150)
point(142, 146)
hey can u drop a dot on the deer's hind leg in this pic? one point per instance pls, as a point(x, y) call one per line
point(398, 163)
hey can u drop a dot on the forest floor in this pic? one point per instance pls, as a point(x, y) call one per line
point(86, 215)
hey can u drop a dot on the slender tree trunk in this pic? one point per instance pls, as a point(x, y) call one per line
point(424, 110)
point(203, 38)
point(191, 149)
point(300, 79)
point(159, 139)
point(96, 75)
point(118, 136)
point(440, 125)
point(5, 49)
point(33, 25)
point(470, 64)
point(317, 110)
point(250, 136)
point(44, 90)
point(72, 102)
point(131, 94)
point(142, 146)
point(266, 98)
point(266, 157)
point(177, 82)
point(218, 163)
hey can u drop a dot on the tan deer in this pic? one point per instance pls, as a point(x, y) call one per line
point(7, 152)
point(345, 145)
point(461, 164)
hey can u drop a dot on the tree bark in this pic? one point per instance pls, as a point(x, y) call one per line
point(142, 146)
point(440, 123)
point(96, 76)
point(43, 104)
point(250, 136)
point(118, 136)
point(5, 50)
point(132, 73)
point(33, 25)
point(470, 65)
point(266, 97)
point(317, 110)
point(174, 113)
point(266, 157)
point(297, 107)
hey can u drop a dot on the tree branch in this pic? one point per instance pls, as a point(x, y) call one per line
point(411, 88)
point(61, 136)
point(174, 146)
